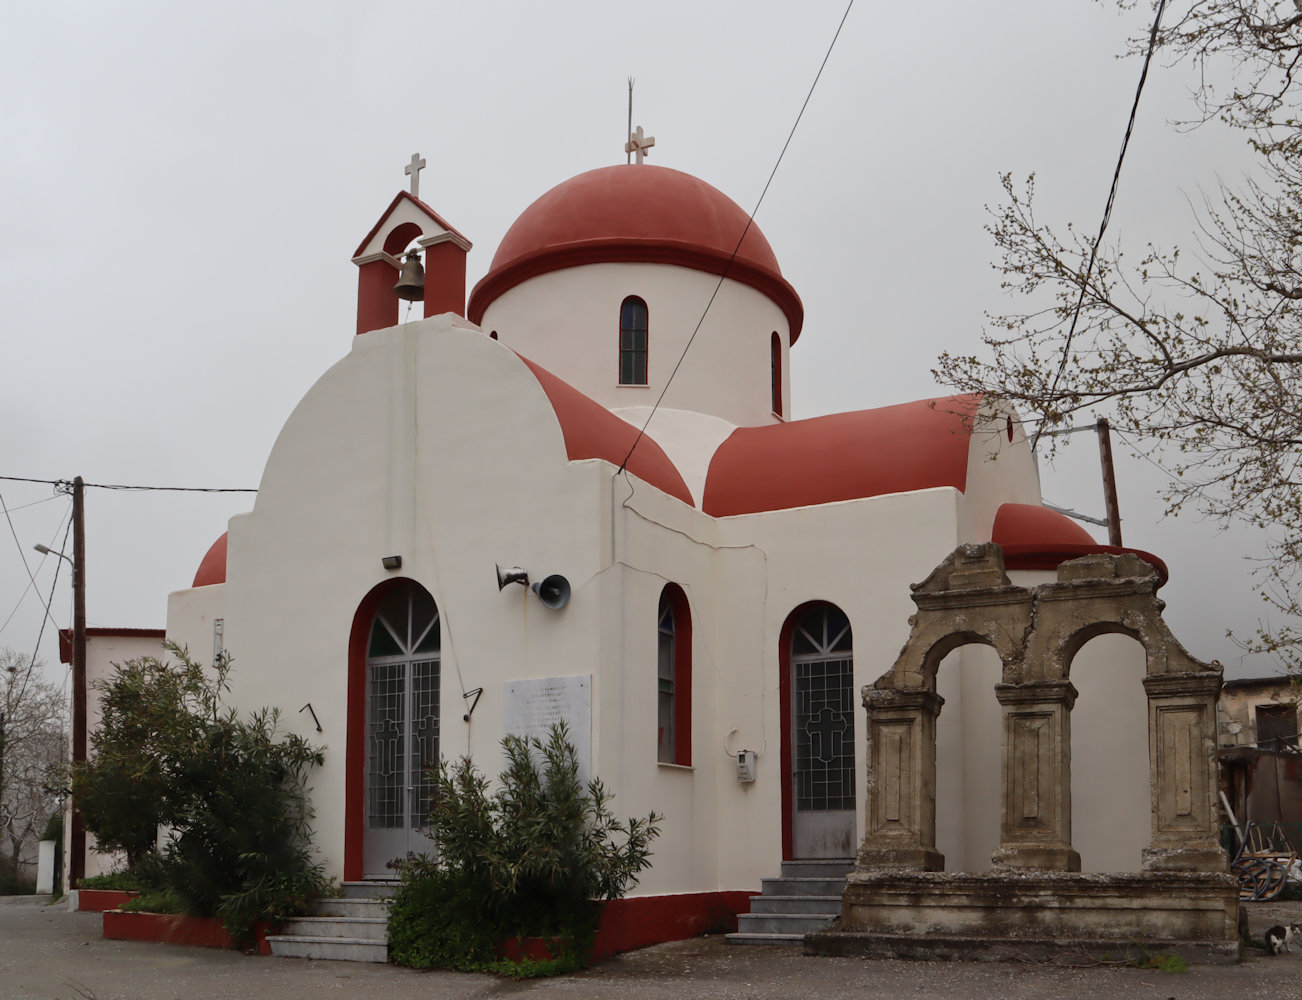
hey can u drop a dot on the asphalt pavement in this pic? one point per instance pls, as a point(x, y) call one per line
point(48, 953)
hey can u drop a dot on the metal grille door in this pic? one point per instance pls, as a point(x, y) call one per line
point(822, 735)
point(402, 727)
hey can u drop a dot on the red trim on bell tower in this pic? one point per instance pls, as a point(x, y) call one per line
point(408, 220)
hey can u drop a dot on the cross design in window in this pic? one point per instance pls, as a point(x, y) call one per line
point(826, 732)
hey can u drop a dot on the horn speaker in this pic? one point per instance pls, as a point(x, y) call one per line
point(554, 591)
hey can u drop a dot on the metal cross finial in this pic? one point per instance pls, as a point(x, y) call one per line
point(413, 169)
point(639, 144)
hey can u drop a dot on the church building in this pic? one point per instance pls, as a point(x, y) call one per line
point(581, 493)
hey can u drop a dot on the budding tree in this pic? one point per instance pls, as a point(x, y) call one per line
point(33, 724)
point(1195, 350)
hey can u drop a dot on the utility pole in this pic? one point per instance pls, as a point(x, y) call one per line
point(1109, 482)
point(77, 839)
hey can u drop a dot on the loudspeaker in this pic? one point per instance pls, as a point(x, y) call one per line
point(554, 591)
point(513, 575)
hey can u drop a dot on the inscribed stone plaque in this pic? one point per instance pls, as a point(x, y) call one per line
point(532, 707)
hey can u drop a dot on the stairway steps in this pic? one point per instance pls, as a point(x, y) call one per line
point(795, 904)
point(333, 948)
point(352, 927)
point(806, 898)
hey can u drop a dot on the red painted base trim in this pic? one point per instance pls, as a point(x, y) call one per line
point(99, 900)
point(173, 928)
point(645, 920)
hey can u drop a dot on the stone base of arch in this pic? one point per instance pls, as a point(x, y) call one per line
point(1038, 915)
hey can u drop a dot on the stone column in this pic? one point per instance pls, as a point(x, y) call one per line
point(1036, 827)
point(1182, 772)
point(900, 820)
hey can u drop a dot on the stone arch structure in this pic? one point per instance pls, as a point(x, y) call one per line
point(1036, 633)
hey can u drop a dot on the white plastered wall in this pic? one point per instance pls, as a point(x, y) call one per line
point(568, 322)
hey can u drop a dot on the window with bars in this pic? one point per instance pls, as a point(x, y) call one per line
point(633, 342)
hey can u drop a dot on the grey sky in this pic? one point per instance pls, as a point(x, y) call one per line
point(186, 182)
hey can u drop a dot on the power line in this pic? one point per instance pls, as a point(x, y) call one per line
point(750, 221)
point(1112, 197)
point(31, 583)
point(119, 486)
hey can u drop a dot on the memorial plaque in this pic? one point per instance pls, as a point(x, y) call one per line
point(533, 707)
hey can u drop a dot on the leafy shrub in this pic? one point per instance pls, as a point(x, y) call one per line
point(232, 791)
point(534, 859)
point(123, 881)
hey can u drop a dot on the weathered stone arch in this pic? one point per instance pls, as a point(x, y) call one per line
point(1036, 633)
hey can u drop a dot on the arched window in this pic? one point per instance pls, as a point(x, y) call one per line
point(632, 341)
point(674, 678)
point(775, 363)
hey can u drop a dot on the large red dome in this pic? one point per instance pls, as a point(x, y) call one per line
point(640, 214)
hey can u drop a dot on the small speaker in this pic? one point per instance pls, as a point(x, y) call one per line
point(513, 575)
point(554, 591)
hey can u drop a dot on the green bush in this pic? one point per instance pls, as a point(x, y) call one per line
point(232, 791)
point(534, 859)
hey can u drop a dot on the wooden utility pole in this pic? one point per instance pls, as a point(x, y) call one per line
point(77, 838)
point(1109, 482)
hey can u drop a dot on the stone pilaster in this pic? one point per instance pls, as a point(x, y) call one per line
point(1182, 772)
point(900, 821)
point(1036, 828)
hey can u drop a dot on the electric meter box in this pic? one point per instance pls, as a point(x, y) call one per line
point(745, 765)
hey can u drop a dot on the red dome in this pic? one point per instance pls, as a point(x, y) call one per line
point(213, 568)
point(1035, 537)
point(636, 214)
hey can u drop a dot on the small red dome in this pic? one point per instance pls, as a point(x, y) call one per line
point(1034, 537)
point(213, 568)
point(638, 214)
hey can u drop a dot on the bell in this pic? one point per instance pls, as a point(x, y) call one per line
point(411, 279)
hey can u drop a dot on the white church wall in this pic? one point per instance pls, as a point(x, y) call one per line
point(969, 737)
point(192, 616)
point(473, 452)
point(568, 322)
point(1000, 471)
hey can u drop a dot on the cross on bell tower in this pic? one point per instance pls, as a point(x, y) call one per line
point(413, 170)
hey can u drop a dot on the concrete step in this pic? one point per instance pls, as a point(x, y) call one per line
point(352, 928)
point(817, 868)
point(370, 889)
point(343, 906)
point(802, 886)
point(789, 924)
point(796, 904)
point(784, 939)
point(333, 948)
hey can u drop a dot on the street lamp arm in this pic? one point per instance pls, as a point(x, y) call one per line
point(45, 550)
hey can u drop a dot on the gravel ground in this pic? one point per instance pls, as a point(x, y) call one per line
point(47, 953)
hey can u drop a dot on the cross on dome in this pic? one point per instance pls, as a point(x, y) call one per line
point(413, 170)
point(639, 144)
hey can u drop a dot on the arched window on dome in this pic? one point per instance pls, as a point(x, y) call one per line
point(775, 363)
point(632, 341)
point(674, 678)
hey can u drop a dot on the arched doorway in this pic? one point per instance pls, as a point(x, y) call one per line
point(818, 735)
point(399, 686)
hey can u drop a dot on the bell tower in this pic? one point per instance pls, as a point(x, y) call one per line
point(378, 261)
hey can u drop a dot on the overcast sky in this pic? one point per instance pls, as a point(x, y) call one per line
point(184, 185)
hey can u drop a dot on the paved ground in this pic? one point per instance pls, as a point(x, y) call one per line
point(47, 953)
